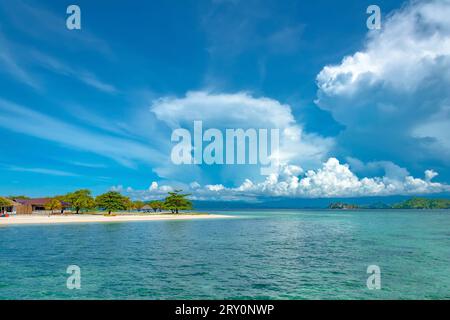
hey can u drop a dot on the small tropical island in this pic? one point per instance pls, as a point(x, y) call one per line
point(413, 203)
point(81, 206)
point(342, 206)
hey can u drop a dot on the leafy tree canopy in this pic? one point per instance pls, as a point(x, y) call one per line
point(177, 201)
point(129, 204)
point(18, 197)
point(156, 205)
point(53, 204)
point(112, 201)
point(138, 205)
point(80, 200)
point(5, 202)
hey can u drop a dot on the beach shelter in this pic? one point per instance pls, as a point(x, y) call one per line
point(146, 208)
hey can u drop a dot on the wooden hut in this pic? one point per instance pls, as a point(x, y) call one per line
point(36, 205)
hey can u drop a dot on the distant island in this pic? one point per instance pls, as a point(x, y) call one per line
point(413, 203)
point(343, 206)
point(423, 203)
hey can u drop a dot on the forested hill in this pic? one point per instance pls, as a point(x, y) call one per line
point(423, 203)
point(413, 203)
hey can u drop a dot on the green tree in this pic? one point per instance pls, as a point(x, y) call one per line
point(129, 204)
point(53, 204)
point(177, 201)
point(156, 205)
point(112, 201)
point(4, 202)
point(138, 205)
point(18, 197)
point(80, 200)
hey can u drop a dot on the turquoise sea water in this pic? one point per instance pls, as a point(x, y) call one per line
point(284, 254)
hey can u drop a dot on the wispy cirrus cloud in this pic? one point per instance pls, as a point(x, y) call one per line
point(21, 66)
point(47, 27)
point(12, 66)
point(44, 171)
point(59, 67)
point(89, 117)
point(128, 152)
point(41, 24)
point(87, 164)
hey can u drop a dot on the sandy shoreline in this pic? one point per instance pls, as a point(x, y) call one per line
point(84, 218)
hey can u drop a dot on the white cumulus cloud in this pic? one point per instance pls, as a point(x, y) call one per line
point(243, 111)
point(332, 179)
point(393, 95)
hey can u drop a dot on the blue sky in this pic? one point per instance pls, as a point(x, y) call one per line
point(364, 112)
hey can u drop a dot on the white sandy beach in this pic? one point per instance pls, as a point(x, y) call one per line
point(85, 218)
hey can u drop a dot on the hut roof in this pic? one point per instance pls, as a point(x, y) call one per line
point(37, 202)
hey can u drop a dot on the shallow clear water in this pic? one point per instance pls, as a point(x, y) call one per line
point(284, 254)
